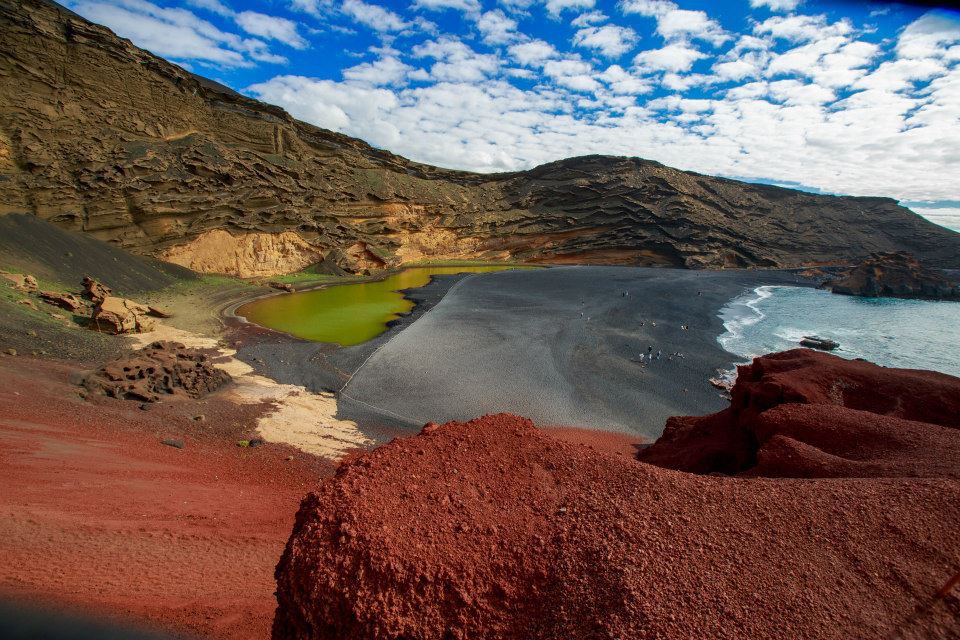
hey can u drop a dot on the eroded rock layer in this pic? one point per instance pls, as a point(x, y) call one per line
point(100, 136)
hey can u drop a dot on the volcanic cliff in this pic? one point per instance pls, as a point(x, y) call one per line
point(100, 136)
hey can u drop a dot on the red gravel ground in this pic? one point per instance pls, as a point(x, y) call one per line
point(492, 529)
point(97, 515)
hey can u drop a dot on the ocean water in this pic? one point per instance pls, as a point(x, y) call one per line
point(912, 334)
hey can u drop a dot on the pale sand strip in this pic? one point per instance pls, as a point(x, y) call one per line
point(300, 418)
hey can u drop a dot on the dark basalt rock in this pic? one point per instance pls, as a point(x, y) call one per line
point(150, 157)
point(897, 275)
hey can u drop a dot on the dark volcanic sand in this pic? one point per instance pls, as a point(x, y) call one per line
point(515, 341)
point(98, 516)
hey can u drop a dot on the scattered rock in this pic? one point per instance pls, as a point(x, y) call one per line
point(816, 342)
point(283, 286)
point(145, 406)
point(27, 302)
point(66, 301)
point(94, 290)
point(121, 315)
point(21, 282)
point(172, 442)
point(255, 442)
point(200, 418)
point(157, 312)
point(159, 370)
point(11, 352)
point(32, 333)
point(896, 274)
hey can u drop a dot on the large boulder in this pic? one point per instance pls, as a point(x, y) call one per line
point(895, 274)
point(121, 315)
point(162, 369)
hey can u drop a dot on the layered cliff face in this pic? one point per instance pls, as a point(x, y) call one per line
point(100, 136)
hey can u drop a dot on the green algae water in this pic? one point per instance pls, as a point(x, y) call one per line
point(347, 314)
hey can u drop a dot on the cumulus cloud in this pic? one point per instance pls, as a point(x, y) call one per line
point(374, 16)
point(468, 6)
point(533, 53)
point(675, 23)
point(776, 5)
point(674, 57)
point(497, 28)
point(556, 7)
point(176, 33)
point(456, 61)
point(610, 40)
point(801, 28)
point(271, 28)
point(388, 70)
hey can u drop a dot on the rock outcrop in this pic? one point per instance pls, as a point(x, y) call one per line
point(121, 315)
point(99, 136)
point(94, 290)
point(897, 275)
point(66, 301)
point(807, 414)
point(494, 529)
point(24, 283)
point(161, 370)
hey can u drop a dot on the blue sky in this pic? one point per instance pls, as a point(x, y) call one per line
point(836, 97)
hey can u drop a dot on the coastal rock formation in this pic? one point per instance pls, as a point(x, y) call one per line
point(897, 274)
point(99, 136)
point(494, 529)
point(808, 414)
point(160, 370)
point(66, 301)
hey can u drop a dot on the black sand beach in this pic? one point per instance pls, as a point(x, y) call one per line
point(515, 341)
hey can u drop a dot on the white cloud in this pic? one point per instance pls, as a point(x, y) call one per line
point(799, 28)
point(175, 33)
point(681, 23)
point(588, 18)
point(497, 28)
point(610, 40)
point(929, 35)
point(675, 57)
point(456, 61)
point(948, 217)
point(674, 23)
point(533, 53)
point(271, 28)
point(776, 5)
point(649, 8)
point(214, 6)
point(572, 74)
point(467, 6)
point(374, 16)
point(556, 7)
point(388, 70)
point(621, 82)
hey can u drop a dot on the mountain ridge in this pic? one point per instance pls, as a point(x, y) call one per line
point(99, 136)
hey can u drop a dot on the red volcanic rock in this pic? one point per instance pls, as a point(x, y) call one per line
point(802, 413)
point(896, 274)
point(492, 529)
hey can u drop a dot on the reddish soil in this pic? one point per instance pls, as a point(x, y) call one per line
point(622, 444)
point(493, 529)
point(100, 517)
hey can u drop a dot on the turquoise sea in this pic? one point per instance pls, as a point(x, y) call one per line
point(913, 334)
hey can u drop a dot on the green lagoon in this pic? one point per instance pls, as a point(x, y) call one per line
point(347, 314)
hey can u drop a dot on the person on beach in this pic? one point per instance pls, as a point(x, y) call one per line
point(659, 353)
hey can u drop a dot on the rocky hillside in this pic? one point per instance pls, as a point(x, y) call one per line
point(100, 136)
